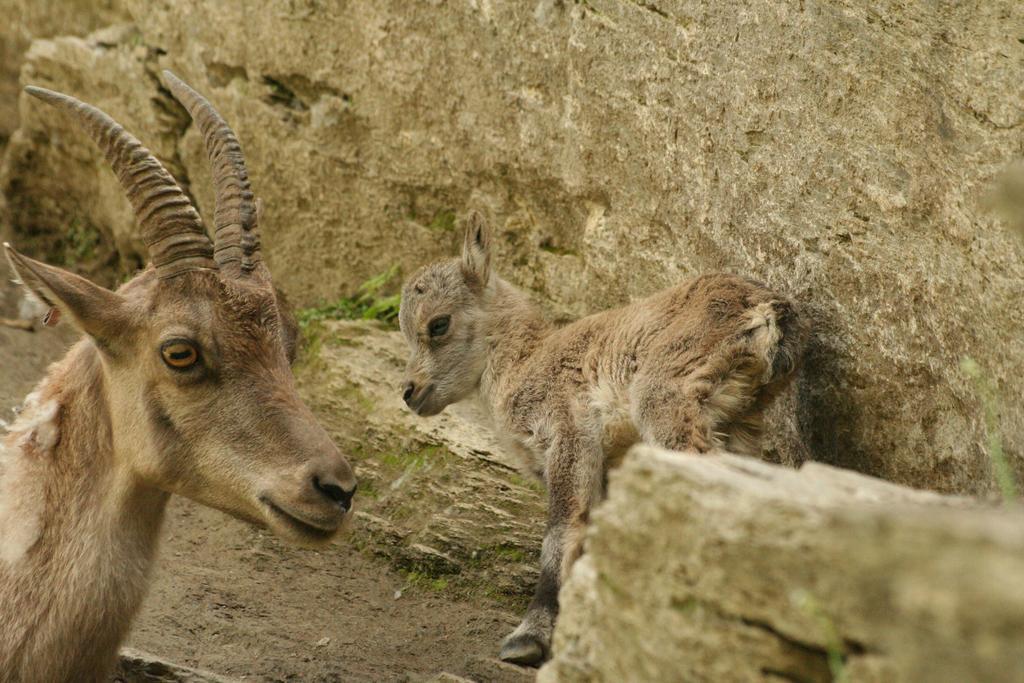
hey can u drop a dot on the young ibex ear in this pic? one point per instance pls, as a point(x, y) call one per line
point(476, 250)
point(98, 312)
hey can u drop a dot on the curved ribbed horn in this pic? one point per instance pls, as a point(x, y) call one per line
point(171, 227)
point(236, 213)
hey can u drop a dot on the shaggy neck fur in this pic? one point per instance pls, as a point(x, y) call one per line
point(514, 326)
point(78, 531)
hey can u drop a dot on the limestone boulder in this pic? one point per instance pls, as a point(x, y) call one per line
point(727, 569)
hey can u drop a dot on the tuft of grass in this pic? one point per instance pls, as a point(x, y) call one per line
point(352, 394)
point(506, 552)
point(810, 606)
point(443, 220)
point(531, 483)
point(415, 458)
point(368, 488)
point(312, 344)
point(988, 396)
point(80, 243)
point(425, 580)
point(368, 303)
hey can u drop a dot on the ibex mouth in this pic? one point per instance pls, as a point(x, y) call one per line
point(419, 404)
point(305, 528)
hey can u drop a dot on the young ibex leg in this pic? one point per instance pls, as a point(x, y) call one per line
point(574, 478)
point(672, 418)
point(746, 430)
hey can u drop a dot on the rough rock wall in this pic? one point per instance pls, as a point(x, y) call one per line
point(838, 150)
point(62, 200)
point(26, 20)
point(726, 569)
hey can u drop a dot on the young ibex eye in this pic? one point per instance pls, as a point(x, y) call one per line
point(439, 325)
point(179, 354)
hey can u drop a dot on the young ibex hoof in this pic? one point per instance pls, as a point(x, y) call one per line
point(524, 649)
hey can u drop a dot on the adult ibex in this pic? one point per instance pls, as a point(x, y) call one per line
point(182, 384)
point(691, 367)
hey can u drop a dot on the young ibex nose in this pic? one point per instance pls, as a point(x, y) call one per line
point(410, 389)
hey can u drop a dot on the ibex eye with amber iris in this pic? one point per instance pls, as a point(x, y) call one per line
point(179, 354)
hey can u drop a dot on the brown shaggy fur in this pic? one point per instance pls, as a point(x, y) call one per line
point(691, 367)
point(182, 385)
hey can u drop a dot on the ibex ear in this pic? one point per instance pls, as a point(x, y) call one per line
point(98, 312)
point(476, 249)
point(289, 326)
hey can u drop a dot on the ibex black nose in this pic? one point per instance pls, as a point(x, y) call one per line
point(334, 491)
point(410, 389)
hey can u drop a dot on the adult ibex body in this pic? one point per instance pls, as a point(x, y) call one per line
point(182, 384)
point(691, 367)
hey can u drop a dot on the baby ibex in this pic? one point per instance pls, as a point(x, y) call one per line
point(692, 367)
point(182, 385)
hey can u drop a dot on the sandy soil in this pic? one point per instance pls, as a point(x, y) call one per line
point(231, 599)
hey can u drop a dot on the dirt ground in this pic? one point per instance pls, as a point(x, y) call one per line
point(231, 599)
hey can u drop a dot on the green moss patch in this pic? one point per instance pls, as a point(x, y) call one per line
point(368, 303)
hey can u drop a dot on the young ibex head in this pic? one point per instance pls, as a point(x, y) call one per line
point(195, 351)
point(443, 306)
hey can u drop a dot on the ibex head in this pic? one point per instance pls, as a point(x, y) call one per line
point(195, 351)
point(443, 307)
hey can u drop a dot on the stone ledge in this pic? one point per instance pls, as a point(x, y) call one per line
point(720, 568)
